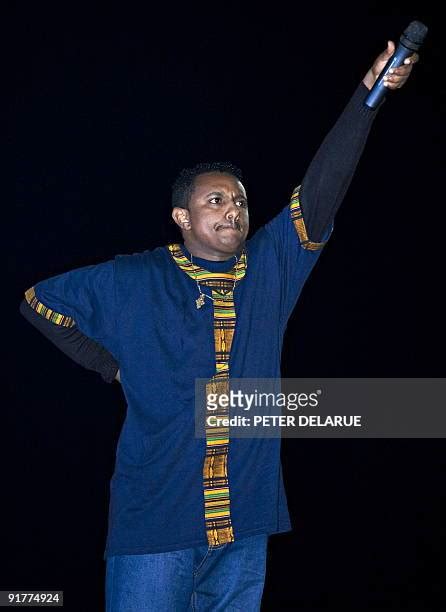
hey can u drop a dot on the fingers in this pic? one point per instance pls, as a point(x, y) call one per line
point(396, 77)
point(389, 50)
point(395, 81)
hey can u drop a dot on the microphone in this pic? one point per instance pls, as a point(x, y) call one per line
point(410, 40)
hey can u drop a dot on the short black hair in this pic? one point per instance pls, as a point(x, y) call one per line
point(183, 186)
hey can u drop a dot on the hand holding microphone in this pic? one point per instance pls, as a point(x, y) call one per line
point(392, 67)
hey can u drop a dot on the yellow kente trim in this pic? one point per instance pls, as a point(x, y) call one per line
point(216, 490)
point(198, 273)
point(48, 313)
point(299, 223)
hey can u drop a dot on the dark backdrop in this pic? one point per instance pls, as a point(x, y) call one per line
point(110, 104)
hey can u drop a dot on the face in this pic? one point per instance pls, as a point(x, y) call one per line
point(216, 225)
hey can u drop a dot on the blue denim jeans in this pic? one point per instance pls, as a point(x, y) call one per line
point(229, 577)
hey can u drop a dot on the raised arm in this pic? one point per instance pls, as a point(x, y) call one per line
point(332, 168)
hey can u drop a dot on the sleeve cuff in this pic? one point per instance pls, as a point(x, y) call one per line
point(357, 103)
point(299, 224)
point(44, 311)
point(109, 369)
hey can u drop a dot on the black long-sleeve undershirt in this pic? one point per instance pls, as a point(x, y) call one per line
point(81, 349)
point(322, 191)
point(332, 168)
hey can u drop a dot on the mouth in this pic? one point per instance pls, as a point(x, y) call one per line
point(234, 228)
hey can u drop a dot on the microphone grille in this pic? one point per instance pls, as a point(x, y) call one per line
point(416, 32)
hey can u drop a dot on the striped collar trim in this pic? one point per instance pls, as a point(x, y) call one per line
point(196, 272)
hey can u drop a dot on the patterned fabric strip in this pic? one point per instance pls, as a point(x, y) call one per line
point(217, 510)
point(51, 315)
point(215, 470)
point(217, 280)
point(299, 224)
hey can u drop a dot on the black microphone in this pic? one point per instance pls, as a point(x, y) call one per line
point(410, 40)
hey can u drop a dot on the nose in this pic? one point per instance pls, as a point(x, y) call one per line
point(233, 212)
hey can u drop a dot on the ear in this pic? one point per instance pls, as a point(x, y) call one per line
point(181, 218)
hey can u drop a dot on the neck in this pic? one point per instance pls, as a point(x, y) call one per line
point(209, 254)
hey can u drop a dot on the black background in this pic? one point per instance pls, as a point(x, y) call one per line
point(110, 104)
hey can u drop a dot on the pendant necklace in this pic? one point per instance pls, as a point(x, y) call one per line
point(202, 297)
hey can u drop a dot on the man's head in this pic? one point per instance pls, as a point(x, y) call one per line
point(211, 209)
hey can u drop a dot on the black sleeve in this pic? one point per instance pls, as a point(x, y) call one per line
point(331, 170)
point(81, 349)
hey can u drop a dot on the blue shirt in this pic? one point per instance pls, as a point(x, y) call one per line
point(141, 307)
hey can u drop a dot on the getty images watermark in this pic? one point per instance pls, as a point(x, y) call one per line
point(323, 408)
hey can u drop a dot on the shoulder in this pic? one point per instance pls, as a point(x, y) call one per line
point(142, 263)
point(141, 259)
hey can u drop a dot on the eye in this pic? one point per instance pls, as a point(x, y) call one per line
point(215, 198)
point(242, 203)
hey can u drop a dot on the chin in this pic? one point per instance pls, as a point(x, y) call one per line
point(231, 245)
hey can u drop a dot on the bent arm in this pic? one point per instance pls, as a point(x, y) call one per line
point(81, 349)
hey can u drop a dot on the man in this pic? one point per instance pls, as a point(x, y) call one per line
point(190, 517)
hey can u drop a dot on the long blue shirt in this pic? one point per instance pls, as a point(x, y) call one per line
point(141, 307)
